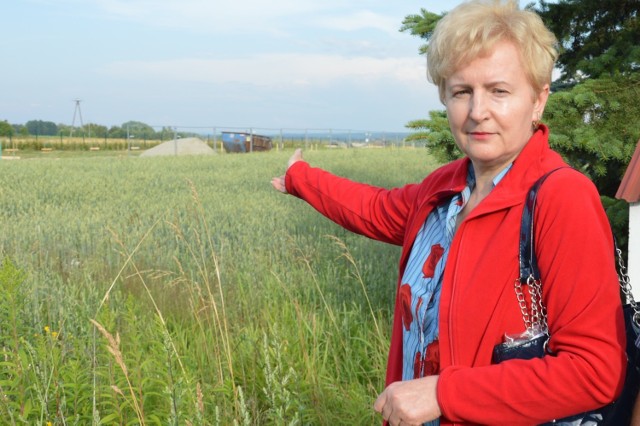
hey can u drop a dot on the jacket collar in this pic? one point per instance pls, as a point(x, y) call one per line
point(535, 159)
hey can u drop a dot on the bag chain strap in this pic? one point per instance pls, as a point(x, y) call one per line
point(522, 301)
point(535, 319)
point(625, 286)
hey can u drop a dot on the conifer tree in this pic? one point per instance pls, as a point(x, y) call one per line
point(593, 110)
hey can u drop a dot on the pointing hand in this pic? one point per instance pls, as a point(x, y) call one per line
point(278, 182)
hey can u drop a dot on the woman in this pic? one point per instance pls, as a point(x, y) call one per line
point(459, 230)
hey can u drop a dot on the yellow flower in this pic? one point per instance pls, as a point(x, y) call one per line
point(54, 334)
point(46, 328)
point(49, 424)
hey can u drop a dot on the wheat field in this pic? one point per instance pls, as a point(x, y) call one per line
point(186, 291)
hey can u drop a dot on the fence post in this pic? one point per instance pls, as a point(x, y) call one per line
point(175, 141)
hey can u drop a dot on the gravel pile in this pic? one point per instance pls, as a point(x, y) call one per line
point(186, 146)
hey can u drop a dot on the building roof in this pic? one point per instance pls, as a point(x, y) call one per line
point(629, 189)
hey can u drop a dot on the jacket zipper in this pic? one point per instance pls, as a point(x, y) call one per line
point(460, 235)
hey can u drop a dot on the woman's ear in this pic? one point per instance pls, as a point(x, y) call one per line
point(540, 101)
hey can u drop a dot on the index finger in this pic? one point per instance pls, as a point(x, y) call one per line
point(380, 402)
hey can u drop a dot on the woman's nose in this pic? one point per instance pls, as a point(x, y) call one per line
point(478, 108)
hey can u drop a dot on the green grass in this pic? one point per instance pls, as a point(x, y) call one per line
point(187, 291)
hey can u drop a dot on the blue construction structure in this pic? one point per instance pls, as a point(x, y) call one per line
point(245, 142)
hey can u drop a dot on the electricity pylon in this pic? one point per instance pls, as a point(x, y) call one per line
point(77, 111)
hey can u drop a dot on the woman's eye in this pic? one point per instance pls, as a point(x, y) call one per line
point(459, 93)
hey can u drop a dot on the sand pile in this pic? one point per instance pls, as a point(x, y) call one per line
point(186, 146)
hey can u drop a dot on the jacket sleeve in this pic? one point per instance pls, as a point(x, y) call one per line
point(371, 211)
point(580, 289)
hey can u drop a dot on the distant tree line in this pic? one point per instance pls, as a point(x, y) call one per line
point(135, 129)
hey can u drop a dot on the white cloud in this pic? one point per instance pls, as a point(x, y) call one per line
point(211, 15)
point(362, 20)
point(240, 16)
point(278, 70)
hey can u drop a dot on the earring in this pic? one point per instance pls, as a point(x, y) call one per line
point(536, 123)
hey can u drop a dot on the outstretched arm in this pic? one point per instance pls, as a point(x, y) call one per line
point(373, 211)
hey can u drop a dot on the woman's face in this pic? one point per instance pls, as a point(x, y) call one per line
point(491, 106)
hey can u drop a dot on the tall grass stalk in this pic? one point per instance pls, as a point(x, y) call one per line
point(307, 262)
point(221, 318)
point(356, 272)
point(200, 259)
point(126, 263)
point(114, 348)
point(152, 299)
point(96, 417)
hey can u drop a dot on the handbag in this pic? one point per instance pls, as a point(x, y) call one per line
point(533, 342)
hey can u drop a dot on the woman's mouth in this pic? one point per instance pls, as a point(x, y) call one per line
point(480, 135)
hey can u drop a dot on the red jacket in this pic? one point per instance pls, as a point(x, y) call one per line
point(478, 303)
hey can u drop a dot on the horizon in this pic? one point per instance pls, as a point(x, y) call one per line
point(207, 131)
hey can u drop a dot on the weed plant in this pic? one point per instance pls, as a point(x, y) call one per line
point(186, 291)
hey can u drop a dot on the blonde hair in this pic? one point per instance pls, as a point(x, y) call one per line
point(472, 29)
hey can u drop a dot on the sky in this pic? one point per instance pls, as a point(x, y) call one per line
point(272, 64)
